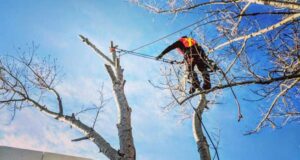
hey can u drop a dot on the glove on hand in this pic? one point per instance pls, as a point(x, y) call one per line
point(158, 57)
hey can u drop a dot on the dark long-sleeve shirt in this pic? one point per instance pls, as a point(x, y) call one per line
point(173, 46)
point(194, 51)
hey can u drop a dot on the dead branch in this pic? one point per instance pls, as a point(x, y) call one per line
point(260, 81)
point(260, 32)
point(267, 115)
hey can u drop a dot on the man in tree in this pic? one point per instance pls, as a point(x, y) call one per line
point(193, 55)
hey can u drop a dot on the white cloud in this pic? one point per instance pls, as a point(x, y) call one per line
point(32, 130)
point(83, 89)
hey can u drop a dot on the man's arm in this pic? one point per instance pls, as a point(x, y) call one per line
point(175, 45)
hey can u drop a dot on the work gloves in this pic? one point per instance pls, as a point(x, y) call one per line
point(213, 66)
point(158, 57)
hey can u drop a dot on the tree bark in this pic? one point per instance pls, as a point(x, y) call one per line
point(277, 4)
point(124, 120)
point(200, 139)
point(241, 83)
point(102, 144)
point(127, 149)
point(260, 32)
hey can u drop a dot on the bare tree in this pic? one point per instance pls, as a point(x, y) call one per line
point(28, 81)
point(239, 37)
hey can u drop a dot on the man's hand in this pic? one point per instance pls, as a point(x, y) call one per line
point(158, 57)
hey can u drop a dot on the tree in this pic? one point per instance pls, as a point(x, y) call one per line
point(240, 35)
point(28, 81)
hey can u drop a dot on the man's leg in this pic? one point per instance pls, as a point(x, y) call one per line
point(205, 75)
point(206, 78)
point(195, 82)
point(192, 75)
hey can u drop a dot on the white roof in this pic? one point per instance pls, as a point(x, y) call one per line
point(11, 153)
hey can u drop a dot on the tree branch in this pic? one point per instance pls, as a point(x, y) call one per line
point(240, 17)
point(260, 81)
point(260, 32)
point(276, 3)
point(127, 149)
point(102, 55)
point(95, 137)
point(266, 117)
point(182, 9)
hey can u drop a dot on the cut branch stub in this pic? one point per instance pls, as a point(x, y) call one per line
point(127, 149)
point(101, 54)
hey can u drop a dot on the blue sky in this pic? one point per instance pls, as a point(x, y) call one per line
point(54, 26)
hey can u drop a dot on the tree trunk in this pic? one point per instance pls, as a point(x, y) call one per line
point(200, 139)
point(127, 148)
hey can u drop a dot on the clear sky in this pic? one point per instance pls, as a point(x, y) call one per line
point(54, 25)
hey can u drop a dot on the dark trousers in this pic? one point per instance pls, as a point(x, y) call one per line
point(191, 62)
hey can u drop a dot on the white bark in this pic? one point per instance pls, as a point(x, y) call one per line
point(124, 120)
point(100, 53)
point(21, 92)
point(260, 32)
point(267, 115)
point(199, 137)
point(277, 4)
point(102, 144)
point(127, 149)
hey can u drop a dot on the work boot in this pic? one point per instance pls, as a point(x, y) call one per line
point(206, 86)
point(192, 90)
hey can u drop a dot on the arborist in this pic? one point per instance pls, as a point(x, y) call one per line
point(193, 55)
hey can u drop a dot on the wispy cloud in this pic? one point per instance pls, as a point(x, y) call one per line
point(32, 130)
point(85, 73)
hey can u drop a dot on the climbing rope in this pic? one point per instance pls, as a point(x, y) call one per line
point(123, 52)
point(170, 34)
point(132, 52)
point(208, 135)
point(172, 62)
point(181, 29)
